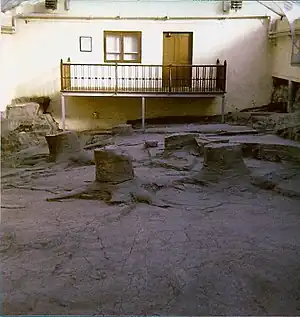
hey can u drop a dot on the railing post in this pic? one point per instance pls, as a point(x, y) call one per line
point(170, 78)
point(62, 75)
point(225, 75)
point(66, 74)
point(116, 78)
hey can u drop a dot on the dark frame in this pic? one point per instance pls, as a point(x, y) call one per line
point(137, 34)
point(90, 41)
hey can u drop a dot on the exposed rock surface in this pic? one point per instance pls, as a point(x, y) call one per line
point(237, 245)
point(28, 117)
point(20, 112)
point(24, 126)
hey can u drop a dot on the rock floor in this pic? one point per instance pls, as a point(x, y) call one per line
point(229, 248)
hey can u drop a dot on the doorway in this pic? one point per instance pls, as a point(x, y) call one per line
point(177, 50)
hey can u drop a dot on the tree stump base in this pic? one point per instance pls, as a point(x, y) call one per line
point(222, 160)
point(65, 146)
point(113, 166)
point(122, 129)
point(115, 182)
point(203, 141)
point(178, 141)
point(129, 192)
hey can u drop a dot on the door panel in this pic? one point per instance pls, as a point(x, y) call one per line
point(177, 50)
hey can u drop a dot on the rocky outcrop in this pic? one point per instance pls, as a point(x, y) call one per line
point(23, 126)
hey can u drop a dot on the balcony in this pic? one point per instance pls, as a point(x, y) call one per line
point(143, 80)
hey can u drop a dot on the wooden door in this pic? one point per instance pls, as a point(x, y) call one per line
point(177, 50)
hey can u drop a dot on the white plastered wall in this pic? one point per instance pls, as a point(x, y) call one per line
point(281, 53)
point(38, 46)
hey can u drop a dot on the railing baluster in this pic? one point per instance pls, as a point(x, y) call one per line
point(129, 77)
point(197, 84)
point(210, 78)
point(116, 78)
point(224, 76)
point(170, 78)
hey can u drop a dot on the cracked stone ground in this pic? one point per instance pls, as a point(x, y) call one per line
point(230, 248)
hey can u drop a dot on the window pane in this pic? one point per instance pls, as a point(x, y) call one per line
point(130, 57)
point(113, 44)
point(130, 44)
point(113, 57)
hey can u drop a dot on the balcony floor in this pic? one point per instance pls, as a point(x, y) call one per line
point(137, 92)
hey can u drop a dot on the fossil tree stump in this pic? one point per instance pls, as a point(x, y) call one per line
point(113, 166)
point(122, 129)
point(224, 156)
point(180, 140)
point(203, 141)
point(65, 146)
point(222, 159)
point(115, 181)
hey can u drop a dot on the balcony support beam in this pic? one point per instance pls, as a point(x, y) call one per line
point(63, 111)
point(143, 113)
point(223, 109)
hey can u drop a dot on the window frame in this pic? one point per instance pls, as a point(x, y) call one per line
point(137, 34)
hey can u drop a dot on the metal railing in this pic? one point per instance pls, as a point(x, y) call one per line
point(156, 79)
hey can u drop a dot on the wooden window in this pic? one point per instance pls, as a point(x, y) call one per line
point(122, 47)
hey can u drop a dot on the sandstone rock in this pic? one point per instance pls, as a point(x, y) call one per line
point(150, 144)
point(62, 146)
point(113, 166)
point(23, 111)
point(10, 142)
point(122, 129)
point(180, 140)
